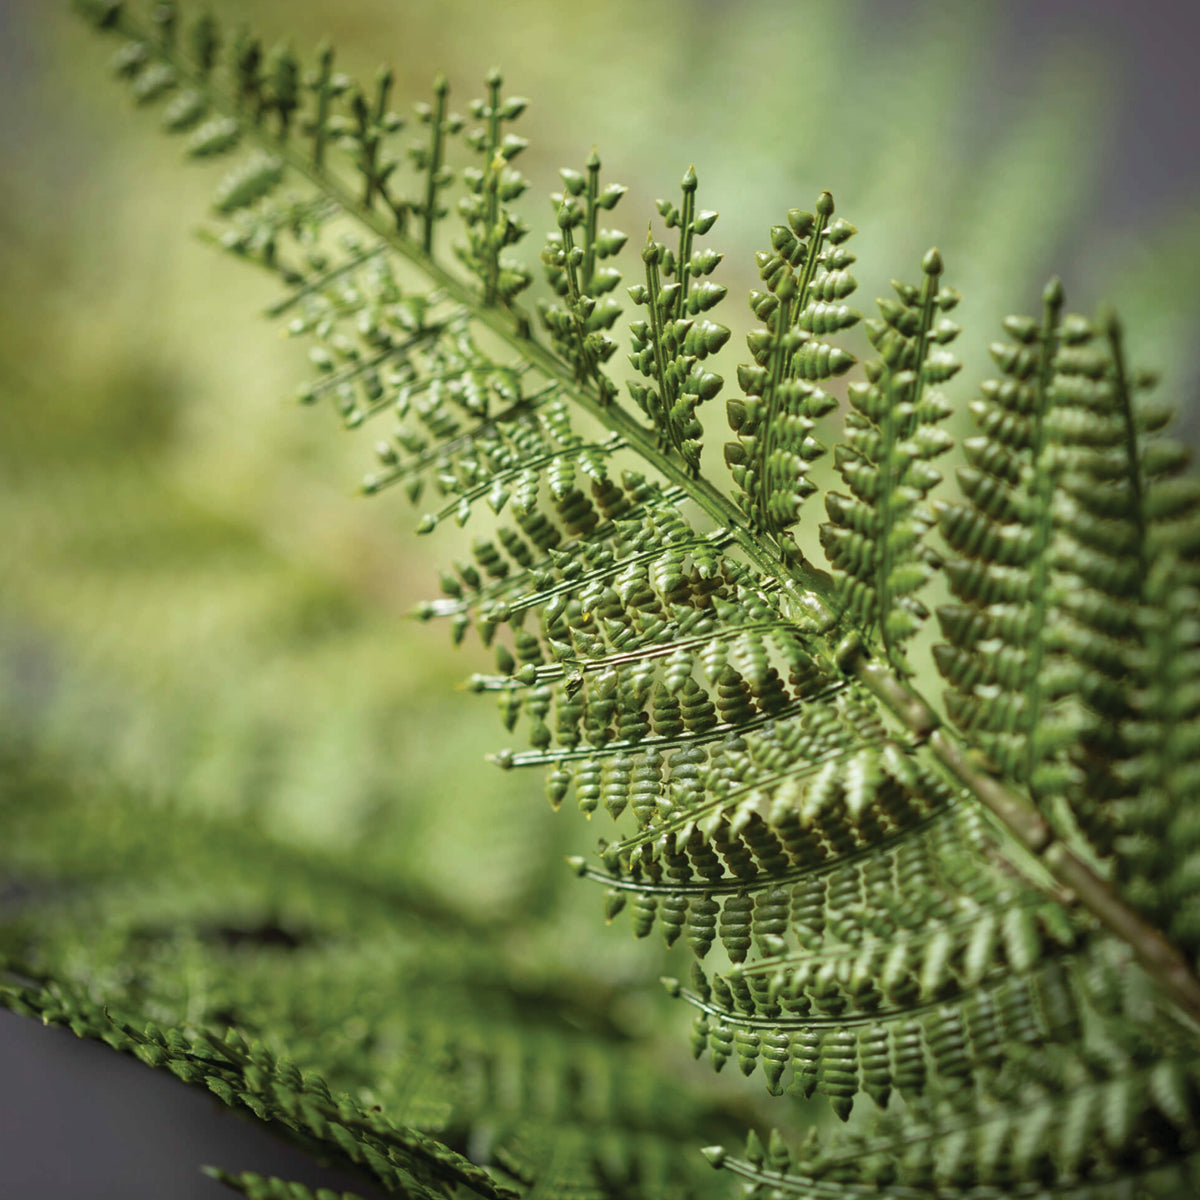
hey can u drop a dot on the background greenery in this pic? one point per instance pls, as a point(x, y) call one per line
point(195, 610)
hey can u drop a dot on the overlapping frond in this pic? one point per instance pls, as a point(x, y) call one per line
point(1159, 780)
point(1014, 674)
point(1069, 500)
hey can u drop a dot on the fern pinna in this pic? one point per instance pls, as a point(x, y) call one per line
point(969, 922)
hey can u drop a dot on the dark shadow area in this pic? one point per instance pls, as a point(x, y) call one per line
point(84, 1122)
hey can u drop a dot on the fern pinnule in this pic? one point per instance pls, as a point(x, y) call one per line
point(578, 275)
point(875, 538)
point(807, 277)
point(676, 337)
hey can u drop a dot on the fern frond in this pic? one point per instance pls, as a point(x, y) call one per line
point(986, 920)
point(1154, 814)
point(491, 224)
point(1056, 537)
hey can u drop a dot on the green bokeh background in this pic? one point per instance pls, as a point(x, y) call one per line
point(195, 605)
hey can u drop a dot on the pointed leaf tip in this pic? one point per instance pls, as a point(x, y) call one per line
point(716, 1155)
point(931, 264)
point(825, 204)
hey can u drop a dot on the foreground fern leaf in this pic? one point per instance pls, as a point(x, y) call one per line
point(993, 918)
point(361, 1020)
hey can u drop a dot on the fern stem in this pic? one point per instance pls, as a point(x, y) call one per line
point(491, 184)
point(324, 93)
point(398, 349)
point(591, 221)
point(892, 434)
point(1161, 960)
point(818, 1188)
point(769, 436)
point(686, 233)
point(523, 407)
point(738, 1020)
point(320, 280)
point(650, 256)
point(914, 712)
point(430, 609)
point(585, 367)
point(690, 816)
point(790, 302)
point(437, 146)
point(1052, 1102)
point(716, 540)
point(824, 210)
